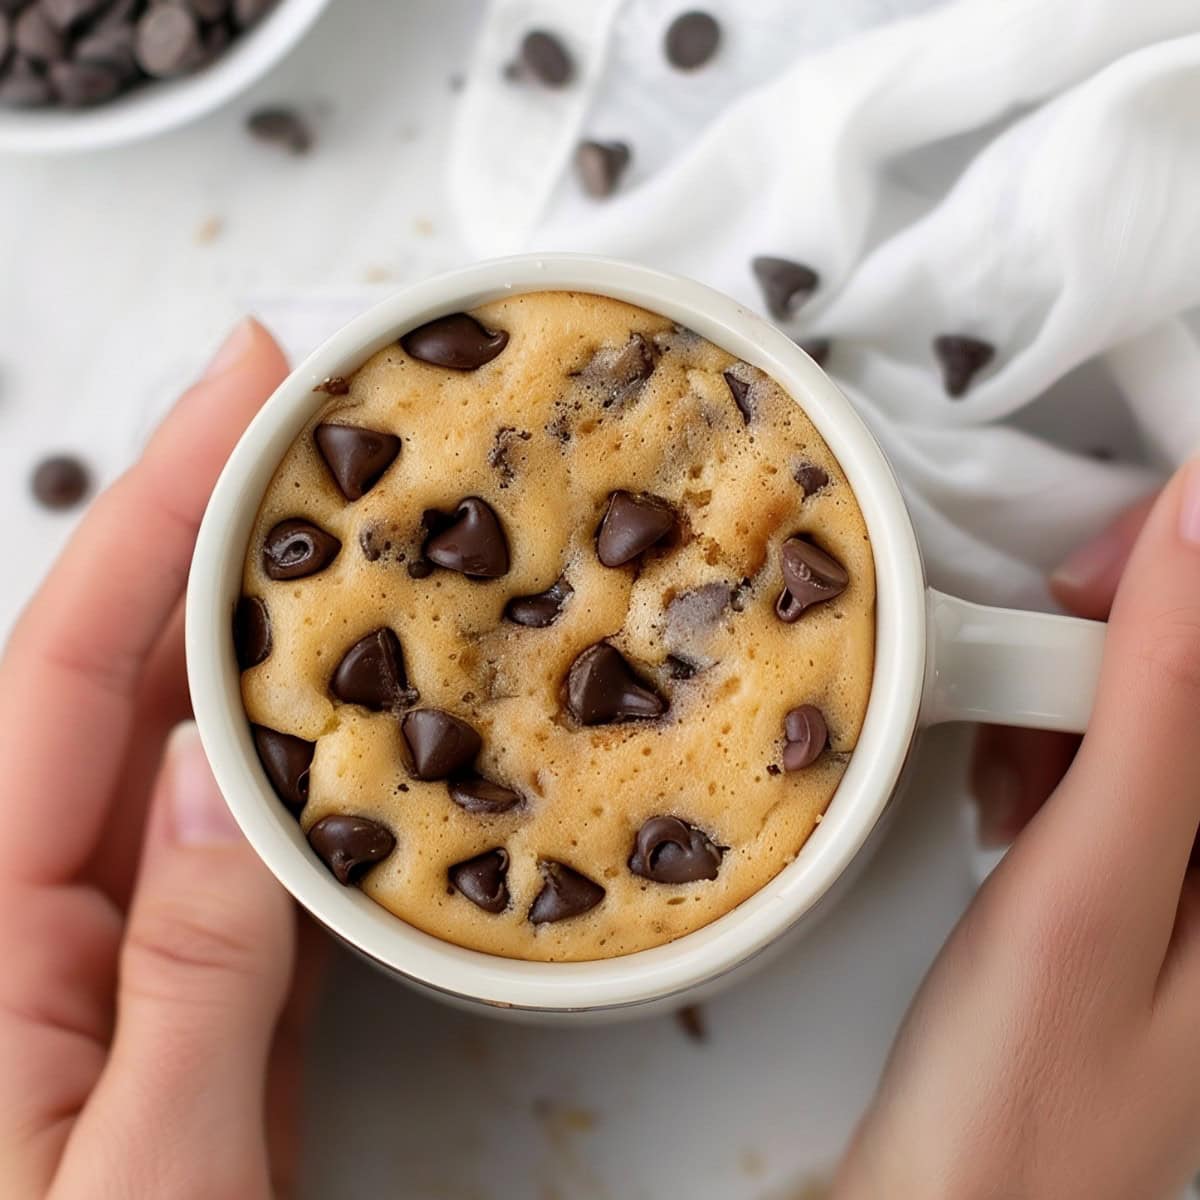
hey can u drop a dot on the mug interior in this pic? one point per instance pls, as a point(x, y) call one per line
point(648, 975)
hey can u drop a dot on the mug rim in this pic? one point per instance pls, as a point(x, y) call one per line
point(696, 958)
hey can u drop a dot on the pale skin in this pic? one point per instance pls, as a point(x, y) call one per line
point(152, 980)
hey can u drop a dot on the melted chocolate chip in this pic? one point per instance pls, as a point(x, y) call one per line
point(473, 542)
point(632, 525)
point(806, 737)
point(545, 58)
point(680, 668)
point(457, 341)
point(668, 850)
point(566, 893)
point(334, 385)
point(622, 373)
point(600, 165)
point(286, 760)
point(251, 632)
point(356, 458)
point(785, 284)
point(691, 40)
point(739, 389)
point(296, 548)
point(440, 743)
point(507, 437)
point(536, 612)
point(602, 688)
point(483, 880)
point(479, 795)
point(960, 359)
point(372, 674)
point(349, 845)
point(810, 477)
point(810, 577)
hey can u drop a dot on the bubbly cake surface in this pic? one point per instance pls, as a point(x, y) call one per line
point(595, 698)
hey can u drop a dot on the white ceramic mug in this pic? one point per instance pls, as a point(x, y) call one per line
point(937, 659)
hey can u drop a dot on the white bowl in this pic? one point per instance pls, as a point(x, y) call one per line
point(159, 105)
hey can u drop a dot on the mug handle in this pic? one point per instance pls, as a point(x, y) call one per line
point(1003, 666)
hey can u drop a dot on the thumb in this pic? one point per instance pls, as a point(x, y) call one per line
point(204, 972)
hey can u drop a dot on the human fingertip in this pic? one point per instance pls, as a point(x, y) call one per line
point(199, 814)
point(238, 343)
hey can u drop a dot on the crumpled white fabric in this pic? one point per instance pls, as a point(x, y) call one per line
point(1025, 171)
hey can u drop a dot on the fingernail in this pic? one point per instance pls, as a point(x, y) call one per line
point(1189, 506)
point(199, 814)
point(997, 787)
point(232, 349)
point(1091, 564)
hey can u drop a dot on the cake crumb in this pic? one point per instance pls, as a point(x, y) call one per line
point(208, 231)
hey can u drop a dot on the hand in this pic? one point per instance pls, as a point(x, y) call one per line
point(147, 953)
point(1053, 1050)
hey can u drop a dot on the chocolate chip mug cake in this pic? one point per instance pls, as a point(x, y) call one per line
point(557, 628)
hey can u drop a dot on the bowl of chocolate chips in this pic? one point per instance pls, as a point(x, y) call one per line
point(86, 74)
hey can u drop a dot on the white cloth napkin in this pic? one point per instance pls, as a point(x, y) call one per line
point(1023, 171)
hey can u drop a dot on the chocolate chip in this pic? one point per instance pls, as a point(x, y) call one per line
point(631, 526)
point(680, 668)
point(691, 40)
point(806, 737)
point(24, 86)
point(691, 1021)
point(334, 385)
point(168, 41)
point(295, 549)
point(817, 349)
point(810, 577)
point(810, 477)
point(65, 14)
point(473, 543)
point(457, 341)
point(281, 126)
point(960, 358)
point(668, 850)
point(286, 760)
point(545, 58)
point(602, 688)
point(5, 38)
point(600, 165)
point(36, 38)
point(479, 795)
point(356, 458)
point(251, 632)
point(507, 436)
point(60, 482)
point(483, 880)
point(209, 10)
point(82, 84)
point(785, 284)
point(696, 611)
point(739, 389)
point(536, 612)
point(621, 374)
point(566, 893)
point(372, 674)
point(349, 845)
point(111, 46)
point(419, 568)
point(250, 12)
point(441, 744)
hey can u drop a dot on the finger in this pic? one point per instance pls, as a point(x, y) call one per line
point(204, 972)
point(1128, 811)
point(69, 678)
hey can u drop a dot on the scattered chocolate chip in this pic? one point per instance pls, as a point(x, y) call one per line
point(680, 668)
point(35, 36)
point(209, 10)
point(250, 12)
point(536, 612)
point(691, 40)
point(281, 126)
point(479, 795)
point(631, 526)
point(441, 745)
point(810, 477)
point(817, 349)
point(960, 359)
point(785, 284)
point(334, 385)
point(602, 688)
point(457, 341)
point(566, 893)
point(739, 389)
point(349, 845)
point(806, 737)
point(168, 41)
point(112, 46)
point(24, 86)
point(773, 769)
point(60, 482)
point(483, 880)
point(545, 58)
point(600, 165)
point(691, 1021)
point(82, 84)
point(295, 549)
point(251, 632)
point(668, 850)
point(372, 674)
point(473, 542)
point(356, 458)
point(286, 760)
point(810, 577)
point(507, 436)
point(64, 14)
